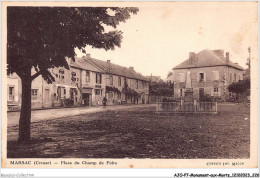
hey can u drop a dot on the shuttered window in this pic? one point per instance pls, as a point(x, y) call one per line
point(182, 77)
point(215, 75)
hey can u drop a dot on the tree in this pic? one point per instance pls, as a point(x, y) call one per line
point(161, 89)
point(239, 87)
point(40, 38)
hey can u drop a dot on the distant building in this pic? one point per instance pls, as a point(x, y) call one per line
point(170, 78)
point(86, 82)
point(210, 73)
point(152, 78)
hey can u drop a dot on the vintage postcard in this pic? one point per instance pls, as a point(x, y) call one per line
point(129, 84)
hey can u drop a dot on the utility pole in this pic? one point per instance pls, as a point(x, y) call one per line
point(249, 58)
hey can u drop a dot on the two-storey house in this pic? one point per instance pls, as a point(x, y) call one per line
point(86, 82)
point(210, 73)
point(122, 84)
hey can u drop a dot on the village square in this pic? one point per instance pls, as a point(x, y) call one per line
point(67, 100)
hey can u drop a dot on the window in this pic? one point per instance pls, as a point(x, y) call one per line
point(181, 92)
point(34, 93)
point(215, 90)
point(97, 92)
point(98, 78)
point(215, 75)
point(119, 95)
point(201, 77)
point(182, 77)
point(136, 84)
point(111, 79)
point(61, 73)
point(64, 91)
point(119, 81)
point(235, 77)
point(87, 76)
point(11, 93)
point(73, 76)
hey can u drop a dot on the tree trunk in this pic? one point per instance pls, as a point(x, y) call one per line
point(25, 115)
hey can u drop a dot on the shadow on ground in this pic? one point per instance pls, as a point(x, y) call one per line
point(139, 133)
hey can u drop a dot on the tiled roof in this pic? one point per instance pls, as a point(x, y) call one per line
point(103, 66)
point(116, 69)
point(208, 58)
point(83, 64)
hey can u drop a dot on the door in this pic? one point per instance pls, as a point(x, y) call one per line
point(201, 93)
point(46, 97)
point(85, 98)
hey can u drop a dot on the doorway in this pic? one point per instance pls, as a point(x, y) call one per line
point(86, 99)
point(201, 93)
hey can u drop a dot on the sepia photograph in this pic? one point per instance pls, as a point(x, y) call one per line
point(132, 85)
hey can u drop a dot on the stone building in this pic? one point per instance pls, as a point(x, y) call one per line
point(210, 73)
point(122, 84)
point(86, 82)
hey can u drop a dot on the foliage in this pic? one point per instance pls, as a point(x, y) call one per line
point(112, 89)
point(41, 37)
point(207, 98)
point(239, 87)
point(68, 102)
point(161, 89)
point(168, 99)
point(130, 91)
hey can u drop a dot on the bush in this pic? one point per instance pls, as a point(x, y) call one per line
point(206, 98)
point(68, 102)
point(169, 100)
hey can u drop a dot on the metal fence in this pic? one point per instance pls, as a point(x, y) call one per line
point(187, 107)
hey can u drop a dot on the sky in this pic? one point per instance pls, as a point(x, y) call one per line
point(161, 35)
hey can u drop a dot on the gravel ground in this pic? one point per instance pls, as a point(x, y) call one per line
point(139, 133)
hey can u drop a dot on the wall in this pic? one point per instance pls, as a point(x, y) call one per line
point(48, 96)
point(209, 83)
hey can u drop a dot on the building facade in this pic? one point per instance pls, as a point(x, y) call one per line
point(86, 82)
point(210, 73)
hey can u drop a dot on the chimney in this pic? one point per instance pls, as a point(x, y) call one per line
point(108, 62)
point(227, 57)
point(87, 55)
point(131, 68)
point(192, 57)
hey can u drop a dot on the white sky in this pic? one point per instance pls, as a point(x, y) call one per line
point(162, 34)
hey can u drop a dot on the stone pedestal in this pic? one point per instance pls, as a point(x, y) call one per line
point(188, 95)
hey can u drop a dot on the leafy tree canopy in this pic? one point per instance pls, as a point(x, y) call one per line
point(41, 37)
point(240, 86)
point(161, 89)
